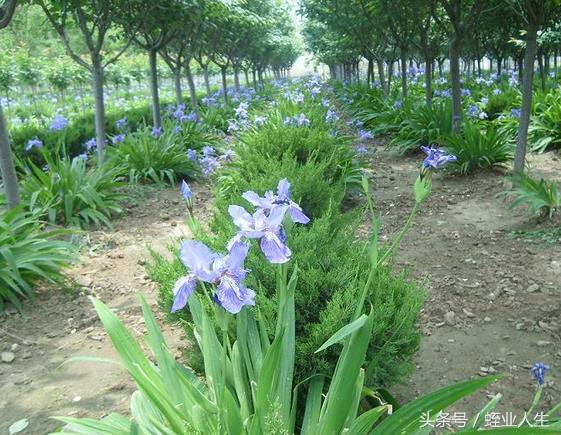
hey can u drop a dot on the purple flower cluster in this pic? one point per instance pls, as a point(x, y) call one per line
point(91, 144)
point(331, 116)
point(157, 132)
point(117, 139)
point(436, 157)
point(226, 272)
point(266, 222)
point(121, 123)
point(33, 143)
point(58, 123)
point(298, 120)
point(538, 372)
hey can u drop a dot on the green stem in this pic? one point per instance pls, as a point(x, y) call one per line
point(536, 400)
point(400, 236)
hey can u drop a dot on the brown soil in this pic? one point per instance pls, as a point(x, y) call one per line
point(60, 325)
point(493, 303)
point(458, 247)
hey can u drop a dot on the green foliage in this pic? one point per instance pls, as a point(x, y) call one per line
point(500, 103)
point(71, 193)
point(143, 158)
point(541, 197)
point(425, 125)
point(479, 149)
point(545, 127)
point(28, 253)
point(316, 164)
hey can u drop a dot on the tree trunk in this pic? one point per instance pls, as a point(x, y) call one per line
point(224, 84)
point(177, 86)
point(156, 116)
point(192, 89)
point(254, 77)
point(237, 78)
point(97, 85)
point(428, 80)
point(491, 65)
point(390, 76)
point(247, 84)
point(260, 77)
point(542, 71)
point(527, 88)
point(455, 79)
point(207, 82)
point(7, 168)
point(499, 66)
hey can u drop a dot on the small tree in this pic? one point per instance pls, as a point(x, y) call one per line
point(94, 20)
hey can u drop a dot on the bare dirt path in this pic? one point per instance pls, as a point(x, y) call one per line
point(60, 325)
point(493, 303)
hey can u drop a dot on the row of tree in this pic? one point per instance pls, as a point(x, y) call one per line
point(243, 37)
point(385, 32)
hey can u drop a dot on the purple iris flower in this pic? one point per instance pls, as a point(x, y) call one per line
point(331, 116)
point(228, 156)
point(157, 132)
point(301, 120)
point(361, 149)
point(83, 156)
point(33, 143)
point(186, 190)
point(398, 104)
point(365, 135)
point(473, 111)
point(121, 123)
point(260, 120)
point(266, 228)
point(538, 371)
point(117, 139)
point(58, 123)
point(436, 157)
point(91, 144)
point(209, 165)
point(208, 151)
point(224, 271)
point(177, 129)
point(281, 199)
point(192, 155)
point(515, 113)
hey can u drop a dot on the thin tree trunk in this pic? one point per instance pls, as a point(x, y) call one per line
point(224, 84)
point(177, 86)
point(97, 85)
point(390, 76)
point(428, 81)
point(207, 81)
point(156, 116)
point(542, 71)
point(247, 84)
point(455, 79)
point(527, 88)
point(237, 78)
point(192, 89)
point(7, 168)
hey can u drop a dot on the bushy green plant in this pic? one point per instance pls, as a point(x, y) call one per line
point(541, 197)
point(426, 125)
point(498, 103)
point(28, 253)
point(545, 126)
point(69, 192)
point(479, 149)
point(146, 159)
point(248, 387)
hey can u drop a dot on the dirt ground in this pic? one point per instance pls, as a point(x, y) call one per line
point(62, 325)
point(493, 303)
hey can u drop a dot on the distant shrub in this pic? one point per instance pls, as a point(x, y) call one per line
point(69, 192)
point(541, 197)
point(145, 159)
point(28, 253)
point(479, 149)
point(426, 125)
